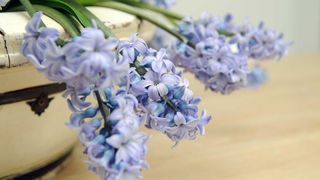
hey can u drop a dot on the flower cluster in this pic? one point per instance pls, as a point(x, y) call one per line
point(89, 62)
point(219, 58)
point(115, 147)
point(213, 60)
point(151, 92)
point(259, 42)
point(86, 61)
point(135, 85)
point(162, 92)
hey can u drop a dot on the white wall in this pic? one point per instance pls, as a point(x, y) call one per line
point(298, 19)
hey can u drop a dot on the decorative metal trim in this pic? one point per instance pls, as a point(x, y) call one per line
point(30, 93)
point(40, 104)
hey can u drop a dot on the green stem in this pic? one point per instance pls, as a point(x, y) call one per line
point(107, 31)
point(104, 110)
point(140, 69)
point(66, 22)
point(172, 16)
point(28, 7)
point(165, 12)
point(170, 103)
point(31, 10)
point(68, 25)
point(142, 15)
point(225, 33)
point(87, 2)
point(83, 15)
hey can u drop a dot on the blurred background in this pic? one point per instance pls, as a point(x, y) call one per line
point(298, 20)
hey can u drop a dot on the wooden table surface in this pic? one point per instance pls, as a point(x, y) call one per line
point(269, 133)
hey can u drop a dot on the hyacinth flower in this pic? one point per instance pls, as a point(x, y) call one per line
point(163, 94)
point(116, 150)
point(87, 63)
point(91, 62)
point(214, 49)
point(151, 91)
point(115, 147)
point(220, 62)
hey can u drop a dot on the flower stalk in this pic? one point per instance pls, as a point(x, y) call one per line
point(104, 110)
point(66, 22)
point(28, 7)
point(130, 10)
point(81, 13)
point(169, 14)
point(173, 17)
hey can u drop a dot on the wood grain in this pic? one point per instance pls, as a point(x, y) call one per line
point(269, 133)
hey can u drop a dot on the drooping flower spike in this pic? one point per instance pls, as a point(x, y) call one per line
point(164, 95)
point(90, 62)
point(86, 62)
point(151, 91)
point(219, 60)
point(213, 60)
point(115, 147)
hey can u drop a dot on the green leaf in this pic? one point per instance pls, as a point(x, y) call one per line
point(169, 14)
point(140, 14)
point(87, 2)
point(70, 6)
point(226, 33)
point(84, 16)
point(60, 18)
